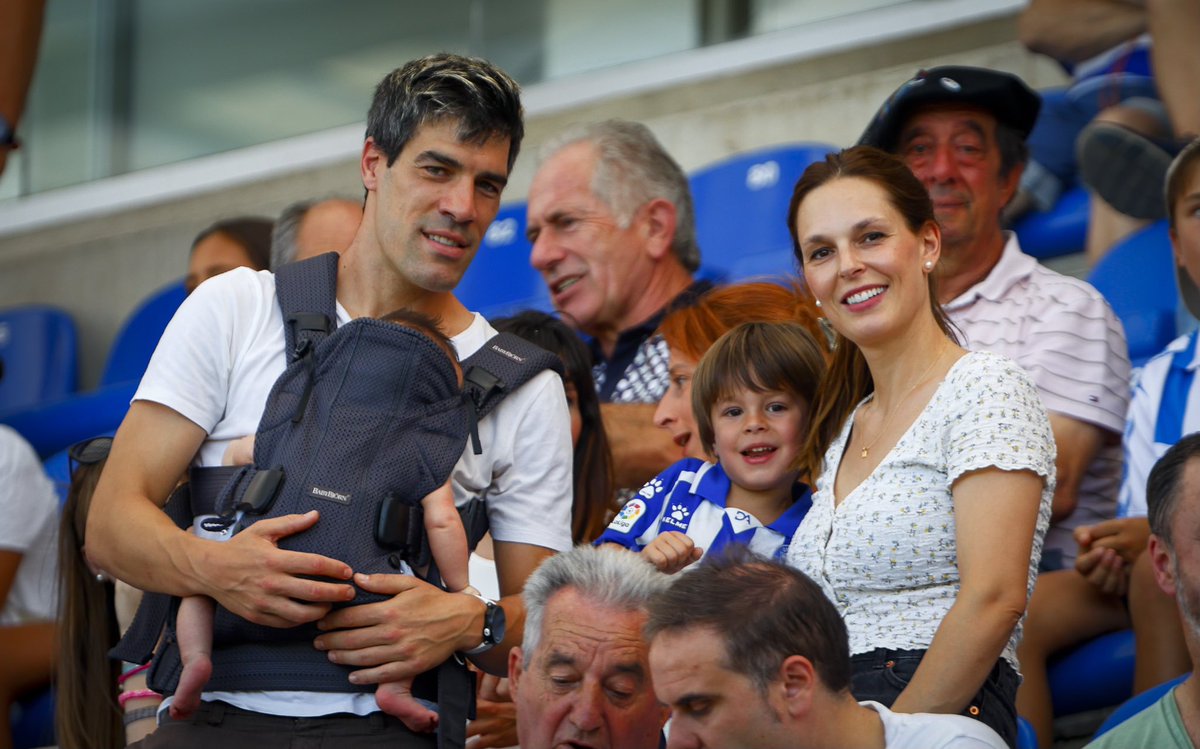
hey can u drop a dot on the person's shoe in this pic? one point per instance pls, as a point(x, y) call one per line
point(1124, 168)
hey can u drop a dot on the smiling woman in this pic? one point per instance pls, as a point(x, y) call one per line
point(937, 465)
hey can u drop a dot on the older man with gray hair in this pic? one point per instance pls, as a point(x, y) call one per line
point(307, 228)
point(581, 674)
point(613, 233)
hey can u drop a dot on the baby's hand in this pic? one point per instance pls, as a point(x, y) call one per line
point(671, 552)
point(240, 452)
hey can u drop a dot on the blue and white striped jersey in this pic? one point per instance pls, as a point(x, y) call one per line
point(689, 497)
point(1164, 408)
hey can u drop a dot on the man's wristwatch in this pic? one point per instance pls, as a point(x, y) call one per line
point(493, 626)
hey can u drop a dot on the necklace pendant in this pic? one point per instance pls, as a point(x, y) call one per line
point(863, 454)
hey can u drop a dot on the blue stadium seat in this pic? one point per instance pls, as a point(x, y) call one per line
point(741, 210)
point(1094, 675)
point(1137, 277)
point(1136, 704)
point(59, 424)
point(56, 424)
point(1062, 230)
point(1026, 736)
point(500, 280)
point(135, 342)
point(33, 721)
point(38, 352)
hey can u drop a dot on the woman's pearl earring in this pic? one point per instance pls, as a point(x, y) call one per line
point(928, 265)
point(818, 301)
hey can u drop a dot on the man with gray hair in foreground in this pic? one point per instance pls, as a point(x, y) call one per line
point(580, 676)
point(750, 653)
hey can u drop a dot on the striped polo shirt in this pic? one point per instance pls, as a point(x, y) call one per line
point(1064, 333)
point(1165, 407)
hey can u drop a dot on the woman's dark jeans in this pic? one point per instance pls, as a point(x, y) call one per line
point(881, 675)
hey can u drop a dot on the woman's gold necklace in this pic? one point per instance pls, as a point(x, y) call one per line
point(888, 419)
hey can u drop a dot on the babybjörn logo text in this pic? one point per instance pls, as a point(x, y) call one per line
point(330, 494)
point(509, 354)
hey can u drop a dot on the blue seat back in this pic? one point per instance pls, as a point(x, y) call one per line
point(1137, 277)
point(33, 720)
point(59, 424)
point(741, 210)
point(1136, 704)
point(38, 349)
point(1096, 674)
point(1062, 230)
point(135, 342)
point(1026, 736)
point(500, 280)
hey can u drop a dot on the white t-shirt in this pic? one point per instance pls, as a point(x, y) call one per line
point(29, 506)
point(887, 556)
point(1062, 331)
point(931, 731)
point(223, 351)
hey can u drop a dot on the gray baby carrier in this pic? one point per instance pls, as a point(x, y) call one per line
point(364, 422)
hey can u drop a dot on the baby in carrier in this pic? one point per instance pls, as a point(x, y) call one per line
point(447, 543)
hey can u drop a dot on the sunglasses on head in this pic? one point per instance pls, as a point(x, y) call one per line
point(88, 452)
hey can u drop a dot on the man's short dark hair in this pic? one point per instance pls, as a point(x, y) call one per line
point(764, 610)
point(1164, 488)
point(480, 97)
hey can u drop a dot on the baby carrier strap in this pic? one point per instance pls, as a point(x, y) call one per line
point(138, 643)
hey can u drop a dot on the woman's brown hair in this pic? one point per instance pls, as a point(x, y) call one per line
point(87, 715)
point(848, 379)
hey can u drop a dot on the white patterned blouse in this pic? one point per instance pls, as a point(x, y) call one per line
point(887, 556)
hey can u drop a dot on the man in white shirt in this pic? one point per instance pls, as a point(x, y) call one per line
point(776, 679)
point(442, 135)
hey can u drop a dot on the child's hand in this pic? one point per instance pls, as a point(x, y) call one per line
point(671, 552)
point(240, 452)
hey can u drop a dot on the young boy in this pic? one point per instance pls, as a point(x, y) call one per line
point(447, 542)
point(751, 394)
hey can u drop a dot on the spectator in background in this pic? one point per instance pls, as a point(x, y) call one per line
point(28, 574)
point(1173, 492)
point(1104, 47)
point(1112, 585)
point(308, 228)
point(692, 326)
point(1124, 153)
point(961, 130)
point(232, 243)
point(612, 228)
point(593, 458)
point(779, 679)
point(580, 676)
